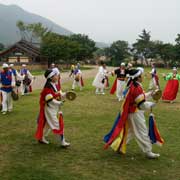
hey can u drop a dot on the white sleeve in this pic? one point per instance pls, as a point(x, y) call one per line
point(148, 95)
point(56, 102)
point(29, 74)
point(13, 80)
point(101, 69)
point(19, 77)
point(152, 71)
point(147, 105)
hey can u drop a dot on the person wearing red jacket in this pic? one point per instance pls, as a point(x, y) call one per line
point(50, 103)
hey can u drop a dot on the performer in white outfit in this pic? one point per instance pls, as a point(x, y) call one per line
point(7, 81)
point(106, 73)
point(26, 85)
point(50, 103)
point(120, 82)
point(154, 82)
point(56, 69)
point(78, 81)
point(100, 80)
point(131, 123)
point(18, 78)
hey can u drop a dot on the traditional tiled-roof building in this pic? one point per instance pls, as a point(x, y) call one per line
point(22, 52)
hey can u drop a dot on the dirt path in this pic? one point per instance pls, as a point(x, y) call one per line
point(40, 80)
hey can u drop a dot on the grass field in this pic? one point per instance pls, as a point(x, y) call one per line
point(87, 120)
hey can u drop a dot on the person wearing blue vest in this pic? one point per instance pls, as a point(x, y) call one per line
point(27, 80)
point(17, 76)
point(78, 81)
point(7, 81)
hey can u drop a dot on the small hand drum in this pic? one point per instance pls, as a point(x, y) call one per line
point(77, 78)
point(70, 95)
point(156, 95)
point(18, 83)
point(14, 95)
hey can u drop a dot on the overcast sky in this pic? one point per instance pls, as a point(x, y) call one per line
point(110, 20)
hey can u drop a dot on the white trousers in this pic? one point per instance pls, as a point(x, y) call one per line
point(76, 83)
point(6, 101)
point(23, 87)
point(120, 88)
point(99, 90)
point(153, 84)
point(138, 129)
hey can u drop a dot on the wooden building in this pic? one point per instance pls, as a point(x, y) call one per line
point(22, 52)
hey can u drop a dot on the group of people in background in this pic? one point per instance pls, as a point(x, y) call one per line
point(12, 83)
point(130, 122)
point(101, 81)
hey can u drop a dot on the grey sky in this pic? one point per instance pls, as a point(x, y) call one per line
point(110, 20)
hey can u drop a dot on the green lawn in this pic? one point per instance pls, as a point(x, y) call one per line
point(87, 120)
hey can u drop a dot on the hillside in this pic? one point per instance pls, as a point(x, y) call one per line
point(10, 14)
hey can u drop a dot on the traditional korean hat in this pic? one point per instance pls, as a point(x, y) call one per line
point(135, 72)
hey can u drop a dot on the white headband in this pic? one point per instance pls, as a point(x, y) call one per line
point(51, 74)
point(136, 75)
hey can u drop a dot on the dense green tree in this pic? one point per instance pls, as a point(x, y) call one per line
point(54, 47)
point(167, 54)
point(118, 52)
point(67, 49)
point(86, 46)
point(142, 47)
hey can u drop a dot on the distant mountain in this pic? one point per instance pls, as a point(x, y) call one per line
point(10, 14)
point(102, 45)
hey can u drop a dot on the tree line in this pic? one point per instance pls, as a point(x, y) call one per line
point(79, 47)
